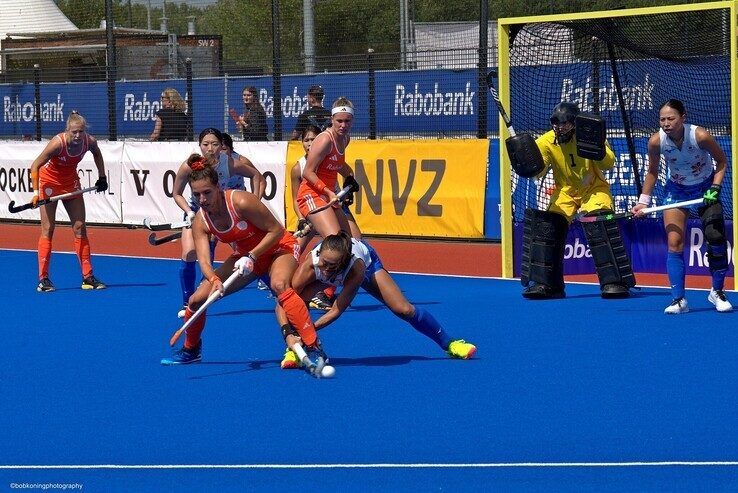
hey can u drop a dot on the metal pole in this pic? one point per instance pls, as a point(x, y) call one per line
point(403, 20)
point(372, 94)
point(482, 69)
point(190, 102)
point(276, 72)
point(111, 72)
point(37, 98)
point(308, 27)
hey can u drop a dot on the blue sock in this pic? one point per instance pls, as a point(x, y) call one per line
point(718, 276)
point(213, 244)
point(187, 280)
point(675, 269)
point(424, 323)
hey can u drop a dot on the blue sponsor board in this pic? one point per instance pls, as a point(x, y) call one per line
point(436, 102)
point(645, 241)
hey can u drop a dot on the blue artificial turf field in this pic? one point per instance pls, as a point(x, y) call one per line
point(564, 395)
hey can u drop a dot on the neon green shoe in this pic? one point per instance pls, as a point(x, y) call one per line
point(290, 360)
point(461, 349)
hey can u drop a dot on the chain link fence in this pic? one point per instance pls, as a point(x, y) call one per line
point(406, 79)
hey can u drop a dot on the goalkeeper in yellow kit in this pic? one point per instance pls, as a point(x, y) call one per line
point(580, 187)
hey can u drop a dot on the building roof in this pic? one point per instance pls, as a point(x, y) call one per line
point(32, 16)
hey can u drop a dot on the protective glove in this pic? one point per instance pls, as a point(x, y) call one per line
point(102, 183)
point(244, 265)
point(301, 224)
point(712, 195)
point(350, 182)
point(191, 216)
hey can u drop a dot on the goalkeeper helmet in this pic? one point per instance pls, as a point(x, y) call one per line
point(563, 113)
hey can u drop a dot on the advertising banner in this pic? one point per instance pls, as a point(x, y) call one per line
point(420, 188)
point(15, 181)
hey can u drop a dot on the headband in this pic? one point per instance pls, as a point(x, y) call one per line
point(342, 109)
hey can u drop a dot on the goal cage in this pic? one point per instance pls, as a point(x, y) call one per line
point(622, 65)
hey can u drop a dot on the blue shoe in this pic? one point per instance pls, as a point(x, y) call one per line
point(184, 356)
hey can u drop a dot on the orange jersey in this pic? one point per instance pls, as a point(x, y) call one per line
point(327, 170)
point(243, 237)
point(59, 174)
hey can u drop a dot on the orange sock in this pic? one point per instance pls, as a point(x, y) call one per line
point(82, 247)
point(44, 256)
point(330, 291)
point(298, 315)
point(195, 330)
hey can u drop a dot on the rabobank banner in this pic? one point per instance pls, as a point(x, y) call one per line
point(436, 102)
point(425, 102)
point(644, 239)
point(420, 188)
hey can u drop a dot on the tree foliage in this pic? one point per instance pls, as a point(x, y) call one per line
point(342, 27)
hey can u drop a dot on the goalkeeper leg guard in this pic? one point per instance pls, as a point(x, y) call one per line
point(542, 267)
point(610, 258)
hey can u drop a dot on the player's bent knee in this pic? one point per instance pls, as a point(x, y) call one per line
point(279, 286)
point(405, 311)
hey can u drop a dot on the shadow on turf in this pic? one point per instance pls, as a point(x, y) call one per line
point(337, 362)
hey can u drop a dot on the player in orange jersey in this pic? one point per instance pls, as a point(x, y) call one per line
point(261, 246)
point(54, 172)
point(325, 161)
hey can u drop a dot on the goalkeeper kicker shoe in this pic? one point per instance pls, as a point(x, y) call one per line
point(461, 349)
point(677, 306)
point(184, 356)
point(91, 282)
point(717, 298)
point(290, 360)
point(45, 286)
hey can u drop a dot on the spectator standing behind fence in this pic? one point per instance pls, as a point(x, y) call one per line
point(320, 116)
point(171, 120)
point(252, 124)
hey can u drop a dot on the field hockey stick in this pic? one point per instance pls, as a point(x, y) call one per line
point(12, 208)
point(165, 226)
point(211, 299)
point(490, 83)
point(314, 368)
point(630, 215)
point(154, 241)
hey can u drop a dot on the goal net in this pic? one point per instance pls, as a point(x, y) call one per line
point(622, 66)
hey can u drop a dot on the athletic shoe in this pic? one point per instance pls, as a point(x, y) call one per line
point(321, 301)
point(181, 313)
point(538, 291)
point(290, 360)
point(184, 356)
point(614, 290)
point(461, 349)
point(677, 306)
point(717, 298)
point(91, 282)
point(45, 286)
